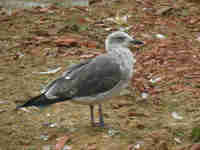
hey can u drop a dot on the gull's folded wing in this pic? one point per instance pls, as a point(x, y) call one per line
point(94, 77)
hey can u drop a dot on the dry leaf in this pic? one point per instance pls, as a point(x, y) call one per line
point(195, 146)
point(89, 44)
point(46, 9)
point(66, 41)
point(86, 56)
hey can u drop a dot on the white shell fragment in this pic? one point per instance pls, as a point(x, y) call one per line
point(155, 80)
point(67, 77)
point(119, 19)
point(44, 137)
point(160, 36)
point(177, 140)
point(50, 71)
point(175, 115)
point(198, 38)
point(26, 110)
point(144, 95)
point(137, 146)
point(108, 29)
point(66, 147)
point(48, 114)
point(53, 125)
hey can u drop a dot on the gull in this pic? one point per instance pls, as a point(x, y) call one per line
point(93, 81)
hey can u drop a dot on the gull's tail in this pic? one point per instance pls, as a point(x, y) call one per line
point(40, 101)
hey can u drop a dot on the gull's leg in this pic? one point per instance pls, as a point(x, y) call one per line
point(101, 121)
point(92, 114)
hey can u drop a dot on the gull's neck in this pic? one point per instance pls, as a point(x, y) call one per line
point(122, 53)
point(124, 57)
point(111, 47)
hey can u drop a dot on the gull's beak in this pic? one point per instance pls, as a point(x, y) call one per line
point(137, 42)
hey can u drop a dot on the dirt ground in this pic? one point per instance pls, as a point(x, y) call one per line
point(33, 41)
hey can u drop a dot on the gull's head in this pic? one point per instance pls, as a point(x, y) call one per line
point(121, 39)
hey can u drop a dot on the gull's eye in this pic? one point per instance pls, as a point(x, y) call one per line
point(121, 38)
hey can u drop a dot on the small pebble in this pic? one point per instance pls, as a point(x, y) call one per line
point(137, 146)
point(2, 78)
point(48, 114)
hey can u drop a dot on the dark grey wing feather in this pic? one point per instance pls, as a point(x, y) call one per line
point(98, 77)
point(70, 69)
point(95, 77)
point(76, 66)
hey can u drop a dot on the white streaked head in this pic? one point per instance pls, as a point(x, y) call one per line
point(121, 39)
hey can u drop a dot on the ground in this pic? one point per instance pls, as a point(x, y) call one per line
point(167, 68)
